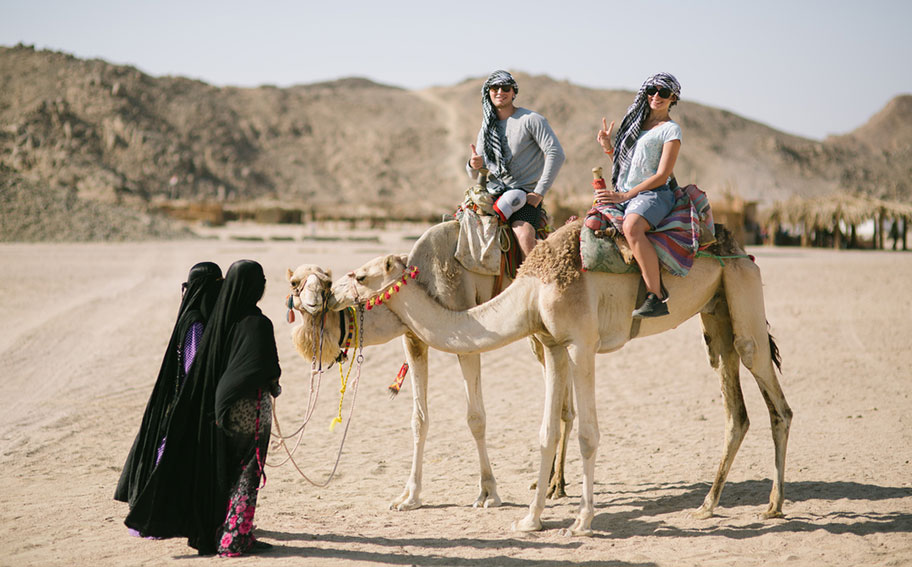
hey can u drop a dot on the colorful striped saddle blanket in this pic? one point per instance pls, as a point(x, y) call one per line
point(676, 239)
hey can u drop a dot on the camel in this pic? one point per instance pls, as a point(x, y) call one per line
point(453, 286)
point(575, 315)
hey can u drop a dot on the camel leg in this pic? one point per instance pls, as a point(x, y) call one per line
point(475, 417)
point(556, 370)
point(744, 291)
point(416, 353)
point(582, 365)
point(717, 333)
point(557, 488)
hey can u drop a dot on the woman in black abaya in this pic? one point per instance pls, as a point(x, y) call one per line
point(205, 487)
point(199, 293)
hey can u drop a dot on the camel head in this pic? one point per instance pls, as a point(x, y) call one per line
point(310, 288)
point(366, 282)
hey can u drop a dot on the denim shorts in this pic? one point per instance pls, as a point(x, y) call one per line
point(653, 205)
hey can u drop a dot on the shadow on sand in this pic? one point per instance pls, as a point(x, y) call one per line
point(641, 505)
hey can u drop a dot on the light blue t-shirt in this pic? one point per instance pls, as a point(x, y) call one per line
point(647, 153)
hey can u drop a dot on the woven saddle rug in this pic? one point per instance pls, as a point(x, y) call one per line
point(688, 228)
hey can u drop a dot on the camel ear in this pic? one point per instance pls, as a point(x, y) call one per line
point(391, 262)
point(289, 274)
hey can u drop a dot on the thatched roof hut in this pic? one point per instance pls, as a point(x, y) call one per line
point(832, 212)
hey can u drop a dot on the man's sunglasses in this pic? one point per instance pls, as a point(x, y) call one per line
point(502, 88)
point(664, 92)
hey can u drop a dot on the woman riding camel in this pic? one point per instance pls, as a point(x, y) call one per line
point(645, 150)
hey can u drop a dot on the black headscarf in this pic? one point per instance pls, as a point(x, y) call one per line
point(189, 490)
point(199, 294)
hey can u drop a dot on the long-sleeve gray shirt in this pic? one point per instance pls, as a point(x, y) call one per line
point(532, 154)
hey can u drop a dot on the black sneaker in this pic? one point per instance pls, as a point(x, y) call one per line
point(652, 307)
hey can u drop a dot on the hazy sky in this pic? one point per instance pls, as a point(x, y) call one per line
point(812, 68)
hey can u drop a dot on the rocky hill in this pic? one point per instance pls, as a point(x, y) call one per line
point(88, 132)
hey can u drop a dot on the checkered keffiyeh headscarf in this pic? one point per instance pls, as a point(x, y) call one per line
point(633, 121)
point(493, 149)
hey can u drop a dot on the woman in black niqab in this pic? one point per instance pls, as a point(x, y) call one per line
point(199, 294)
point(206, 484)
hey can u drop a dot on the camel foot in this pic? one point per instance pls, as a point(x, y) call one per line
point(772, 513)
point(527, 524)
point(405, 502)
point(555, 491)
point(581, 528)
point(487, 501)
point(702, 513)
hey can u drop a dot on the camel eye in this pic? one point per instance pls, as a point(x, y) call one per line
point(360, 278)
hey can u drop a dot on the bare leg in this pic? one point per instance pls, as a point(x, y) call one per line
point(635, 228)
point(525, 234)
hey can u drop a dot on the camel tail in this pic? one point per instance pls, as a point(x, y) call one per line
point(774, 352)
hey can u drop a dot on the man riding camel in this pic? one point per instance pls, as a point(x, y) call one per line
point(522, 153)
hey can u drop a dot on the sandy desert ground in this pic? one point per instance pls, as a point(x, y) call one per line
point(84, 325)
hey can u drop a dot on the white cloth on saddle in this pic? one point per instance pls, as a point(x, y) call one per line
point(478, 247)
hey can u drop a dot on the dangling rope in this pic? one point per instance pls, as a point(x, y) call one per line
point(702, 254)
point(316, 378)
point(343, 378)
point(290, 453)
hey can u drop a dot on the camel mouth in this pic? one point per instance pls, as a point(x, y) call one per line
point(342, 295)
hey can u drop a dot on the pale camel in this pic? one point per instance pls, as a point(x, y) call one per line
point(454, 287)
point(578, 314)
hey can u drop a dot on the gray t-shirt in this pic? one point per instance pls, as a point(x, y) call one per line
point(532, 154)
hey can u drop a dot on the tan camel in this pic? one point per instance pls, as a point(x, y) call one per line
point(454, 287)
point(578, 314)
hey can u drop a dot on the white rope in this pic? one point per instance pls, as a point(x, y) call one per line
point(351, 410)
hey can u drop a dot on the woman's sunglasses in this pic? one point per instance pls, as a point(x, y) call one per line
point(664, 92)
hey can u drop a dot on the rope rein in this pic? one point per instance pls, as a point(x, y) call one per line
point(702, 254)
point(316, 377)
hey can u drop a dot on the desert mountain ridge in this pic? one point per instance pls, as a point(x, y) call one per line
point(87, 133)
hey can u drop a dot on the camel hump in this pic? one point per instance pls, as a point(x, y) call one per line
point(556, 259)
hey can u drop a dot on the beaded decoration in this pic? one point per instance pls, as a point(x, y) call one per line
point(378, 299)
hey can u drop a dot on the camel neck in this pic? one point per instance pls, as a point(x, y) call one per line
point(480, 329)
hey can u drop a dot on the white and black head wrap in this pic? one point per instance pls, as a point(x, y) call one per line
point(493, 148)
point(633, 121)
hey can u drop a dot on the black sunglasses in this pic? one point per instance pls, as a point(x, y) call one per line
point(502, 88)
point(664, 92)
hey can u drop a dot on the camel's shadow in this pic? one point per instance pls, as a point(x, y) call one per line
point(643, 503)
point(341, 550)
point(635, 516)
